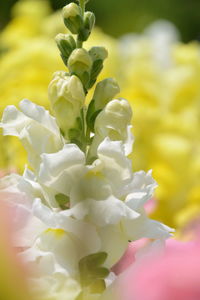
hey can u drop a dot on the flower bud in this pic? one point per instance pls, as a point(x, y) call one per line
point(113, 122)
point(105, 91)
point(80, 64)
point(115, 117)
point(72, 18)
point(98, 53)
point(89, 21)
point(67, 97)
point(66, 45)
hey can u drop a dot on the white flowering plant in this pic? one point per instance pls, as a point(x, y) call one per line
point(78, 202)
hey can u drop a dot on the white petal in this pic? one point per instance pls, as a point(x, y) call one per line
point(128, 144)
point(117, 168)
point(85, 232)
point(93, 185)
point(13, 121)
point(144, 227)
point(62, 169)
point(114, 242)
point(105, 212)
point(40, 115)
point(140, 189)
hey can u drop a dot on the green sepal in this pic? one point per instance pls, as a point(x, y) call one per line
point(96, 70)
point(97, 287)
point(89, 21)
point(73, 133)
point(74, 24)
point(76, 135)
point(62, 200)
point(85, 78)
point(90, 268)
point(64, 59)
point(66, 45)
point(92, 113)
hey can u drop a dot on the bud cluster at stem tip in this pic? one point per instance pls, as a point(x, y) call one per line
point(76, 121)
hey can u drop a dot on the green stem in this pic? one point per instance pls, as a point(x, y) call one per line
point(82, 5)
point(79, 43)
point(87, 136)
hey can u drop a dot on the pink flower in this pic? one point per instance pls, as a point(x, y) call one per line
point(129, 256)
point(165, 274)
point(13, 274)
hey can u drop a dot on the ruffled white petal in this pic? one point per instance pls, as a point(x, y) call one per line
point(62, 169)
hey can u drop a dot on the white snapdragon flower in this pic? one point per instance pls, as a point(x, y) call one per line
point(54, 258)
point(113, 122)
point(103, 201)
point(67, 97)
point(35, 127)
point(103, 194)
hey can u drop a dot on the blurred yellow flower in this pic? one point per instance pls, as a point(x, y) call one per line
point(165, 94)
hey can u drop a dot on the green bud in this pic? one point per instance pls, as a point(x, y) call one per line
point(98, 55)
point(89, 21)
point(73, 18)
point(67, 98)
point(80, 64)
point(66, 45)
point(104, 92)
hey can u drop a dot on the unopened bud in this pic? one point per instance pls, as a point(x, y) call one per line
point(66, 45)
point(67, 97)
point(104, 92)
point(98, 53)
point(116, 115)
point(89, 21)
point(80, 64)
point(72, 18)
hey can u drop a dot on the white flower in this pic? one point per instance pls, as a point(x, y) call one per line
point(113, 122)
point(60, 171)
point(103, 201)
point(67, 97)
point(53, 257)
point(26, 226)
point(35, 127)
point(106, 194)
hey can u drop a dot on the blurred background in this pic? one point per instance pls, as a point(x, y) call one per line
point(117, 17)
